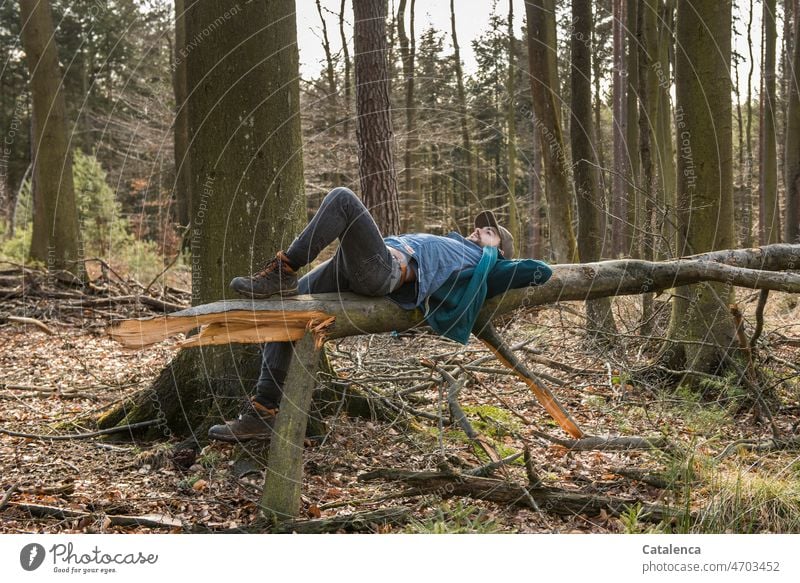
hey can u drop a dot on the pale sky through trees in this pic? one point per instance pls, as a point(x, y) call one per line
point(472, 17)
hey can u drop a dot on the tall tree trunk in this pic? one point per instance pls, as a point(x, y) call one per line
point(662, 137)
point(545, 89)
point(621, 173)
point(769, 215)
point(748, 207)
point(604, 184)
point(247, 166)
point(536, 219)
point(348, 85)
point(330, 76)
point(55, 238)
point(634, 194)
point(705, 177)
point(511, 128)
point(415, 202)
point(792, 151)
point(183, 175)
point(582, 139)
point(647, 90)
point(466, 144)
point(374, 122)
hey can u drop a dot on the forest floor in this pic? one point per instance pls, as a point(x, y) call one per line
point(54, 380)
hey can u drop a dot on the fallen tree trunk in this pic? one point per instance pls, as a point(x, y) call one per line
point(552, 500)
point(346, 314)
point(283, 319)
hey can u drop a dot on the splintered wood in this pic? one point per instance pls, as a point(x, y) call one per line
point(222, 328)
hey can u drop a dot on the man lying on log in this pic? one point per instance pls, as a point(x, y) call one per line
point(448, 276)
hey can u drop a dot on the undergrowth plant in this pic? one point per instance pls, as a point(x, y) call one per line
point(457, 518)
point(104, 232)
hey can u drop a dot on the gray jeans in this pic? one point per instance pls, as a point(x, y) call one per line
point(361, 264)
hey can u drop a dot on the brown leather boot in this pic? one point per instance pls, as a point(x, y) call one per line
point(255, 422)
point(276, 277)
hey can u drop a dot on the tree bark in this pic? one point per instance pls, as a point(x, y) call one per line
point(246, 158)
point(55, 239)
point(544, 88)
point(582, 139)
point(705, 179)
point(374, 122)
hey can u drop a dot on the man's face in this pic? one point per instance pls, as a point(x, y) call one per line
point(485, 237)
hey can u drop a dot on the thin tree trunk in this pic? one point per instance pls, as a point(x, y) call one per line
point(582, 132)
point(648, 116)
point(374, 123)
point(415, 202)
point(792, 151)
point(55, 238)
point(739, 192)
point(634, 194)
point(597, 73)
point(348, 85)
point(330, 76)
point(511, 128)
point(466, 144)
point(621, 172)
point(769, 215)
point(536, 219)
point(665, 168)
point(183, 176)
point(748, 207)
point(545, 89)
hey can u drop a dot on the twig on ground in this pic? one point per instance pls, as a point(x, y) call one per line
point(9, 493)
point(762, 446)
point(108, 431)
point(487, 469)
point(33, 321)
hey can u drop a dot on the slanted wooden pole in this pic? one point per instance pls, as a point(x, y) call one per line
point(284, 477)
point(488, 335)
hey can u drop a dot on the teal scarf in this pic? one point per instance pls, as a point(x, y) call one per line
point(453, 308)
